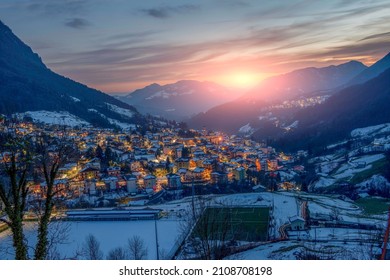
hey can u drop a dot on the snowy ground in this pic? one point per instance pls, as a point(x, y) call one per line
point(246, 129)
point(344, 171)
point(58, 118)
point(122, 111)
point(375, 182)
point(371, 130)
point(110, 234)
point(285, 205)
point(324, 182)
point(289, 250)
point(348, 170)
point(124, 126)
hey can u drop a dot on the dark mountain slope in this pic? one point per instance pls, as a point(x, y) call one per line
point(26, 84)
point(306, 82)
point(373, 71)
point(356, 106)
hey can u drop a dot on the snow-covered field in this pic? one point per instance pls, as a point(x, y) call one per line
point(336, 243)
point(324, 182)
point(125, 112)
point(75, 99)
point(124, 126)
point(247, 129)
point(289, 250)
point(57, 118)
point(122, 111)
point(371, 130)
point(110, 234)
point(343, 171)
point(284, 205)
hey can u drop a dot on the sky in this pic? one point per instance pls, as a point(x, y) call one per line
point(120, 45)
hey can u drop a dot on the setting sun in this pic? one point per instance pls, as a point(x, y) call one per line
point(243, 80)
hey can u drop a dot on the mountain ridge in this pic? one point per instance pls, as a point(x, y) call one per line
point(26, 84)
point(179, 100)
point(338, 116)
point(373, 71)
point(306, 82)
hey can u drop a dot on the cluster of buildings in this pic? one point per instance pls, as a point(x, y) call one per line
point(145, 164)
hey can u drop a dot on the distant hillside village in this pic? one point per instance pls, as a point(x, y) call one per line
point(116, 168)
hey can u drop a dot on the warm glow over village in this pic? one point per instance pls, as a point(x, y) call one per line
point(239, 131)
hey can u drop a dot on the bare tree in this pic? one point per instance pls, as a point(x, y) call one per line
point(137, 248)
point(19, 156)
point(58, 234)
point(117, 254)
point(16, 161)
point(51, 155)
point(336, 214)
point(209, 230)
point(91, 248)
point(314, 252)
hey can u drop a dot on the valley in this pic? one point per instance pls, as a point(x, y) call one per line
point(295, 167)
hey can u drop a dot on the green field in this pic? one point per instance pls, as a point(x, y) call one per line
point(234, 223)
point(378, 167)
point(373, 205)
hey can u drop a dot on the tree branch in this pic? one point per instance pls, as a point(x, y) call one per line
point(6, 222)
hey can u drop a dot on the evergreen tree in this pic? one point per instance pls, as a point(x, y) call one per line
point(167, 165)
point(99, 153)
point(186, 152)
point(90, 153)
point(108, 155)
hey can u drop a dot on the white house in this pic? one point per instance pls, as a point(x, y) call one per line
point(297, 223)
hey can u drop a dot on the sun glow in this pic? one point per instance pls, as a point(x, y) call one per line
point(244, 80)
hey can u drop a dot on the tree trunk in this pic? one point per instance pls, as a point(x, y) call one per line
point(42, 244)
point(18, 240)
point(41, 248)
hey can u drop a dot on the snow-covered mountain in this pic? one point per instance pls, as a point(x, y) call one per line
point(298, 84)
point(26, 84)
point(180, 100)
point(305, 82)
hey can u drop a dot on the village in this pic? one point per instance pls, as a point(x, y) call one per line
point(123, 175)
point(139, 167)
point(127, 167)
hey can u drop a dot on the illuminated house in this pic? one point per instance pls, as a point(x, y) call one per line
point(131, 183)
point(252, 167)
point(149, 181)
point(135, 166)
point(114, 171)
point(209, 164)
point(272, 164)
point(179, 152)
point(182, 163)
point(69, 170)
point(174, 181)
point(198, 173)
point(219, 178)
point(240, 174)
point(90, 187)
point(89, 173)
point(94, 163)
point(111, 183)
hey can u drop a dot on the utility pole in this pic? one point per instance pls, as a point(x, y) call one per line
point(193, 198)
point(386, 238)
point(156, 234)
